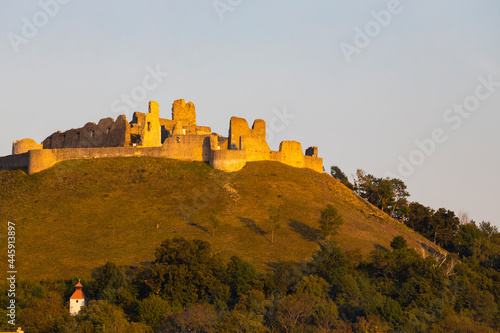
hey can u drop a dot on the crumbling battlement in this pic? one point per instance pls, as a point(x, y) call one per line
point(253, 141)
point(149, 135)
point(184, 112)
point(25, 145)
point(107, 133)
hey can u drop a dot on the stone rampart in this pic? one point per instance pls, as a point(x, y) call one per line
point(314, 163)
point(290, 154)
point(187, 147)
point(253, 141)
point(107, 133)
point(24, 146)
point(18, 161)
point(149, 135)
point(228, 160)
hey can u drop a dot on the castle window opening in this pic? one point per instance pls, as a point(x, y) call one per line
point(149, 126)
point(108, 131)
point(78, 136)
point(92, 134)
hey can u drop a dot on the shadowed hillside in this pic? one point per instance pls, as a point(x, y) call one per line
point(77, 215)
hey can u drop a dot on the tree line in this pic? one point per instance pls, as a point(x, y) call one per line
point(189, 288)
point(441, 226)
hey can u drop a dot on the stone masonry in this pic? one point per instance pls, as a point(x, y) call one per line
point(149, 135)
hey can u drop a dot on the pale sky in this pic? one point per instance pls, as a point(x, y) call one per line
point(363, 81)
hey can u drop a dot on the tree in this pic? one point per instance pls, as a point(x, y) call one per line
point(197, 318)
point(488, 229)
point(400, 194)
point(48, 314)
point(378, 191)
point(383, 193)
point(274, 219)
point(326, 315)
point(152, 311)
point(402, 212)
point(330, 221)
point(465, 239)
point(294, 311)
point(214, 223)
point(241, 277)
point(398, 242)
point(108, 277)
point(463, 216)
point(444, 225)
point(419, 218)
point(186, 271)
point(100, 316)
point(340, 176)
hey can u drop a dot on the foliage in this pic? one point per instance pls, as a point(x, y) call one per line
point(153, 310)
point(242, 277)
point(187, 288)
point(388, 194)
point(330, 221)
point(340, 176)
point(45, 314)
point(274, 219)
point(186, 271)
point(197, 318)
point(398, 242)
point(100, 316)
point(214, 223)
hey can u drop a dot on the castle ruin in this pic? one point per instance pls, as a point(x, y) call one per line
point(149, 135)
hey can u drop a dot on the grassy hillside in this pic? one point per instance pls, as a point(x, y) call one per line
point(74, 217)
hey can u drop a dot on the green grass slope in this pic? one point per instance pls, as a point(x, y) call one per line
point(75, 216)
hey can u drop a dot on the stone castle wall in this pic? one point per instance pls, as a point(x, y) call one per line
point(185, 112)
point(151, 130)
point(149, 135)
point(188, 147)
point(253, 141)
point(25, 145)
point(228, 160)
point(107, 133)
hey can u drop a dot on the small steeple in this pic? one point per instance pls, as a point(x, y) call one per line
point(77, 300)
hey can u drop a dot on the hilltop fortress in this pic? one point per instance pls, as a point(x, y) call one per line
point(149, 135)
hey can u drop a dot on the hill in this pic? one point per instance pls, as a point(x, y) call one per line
point(75, 216)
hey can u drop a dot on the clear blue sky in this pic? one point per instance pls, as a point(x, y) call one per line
point(401, 75)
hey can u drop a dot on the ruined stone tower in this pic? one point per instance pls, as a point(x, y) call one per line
point(149, 135)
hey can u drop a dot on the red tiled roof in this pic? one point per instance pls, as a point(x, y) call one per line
point(78, 294)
